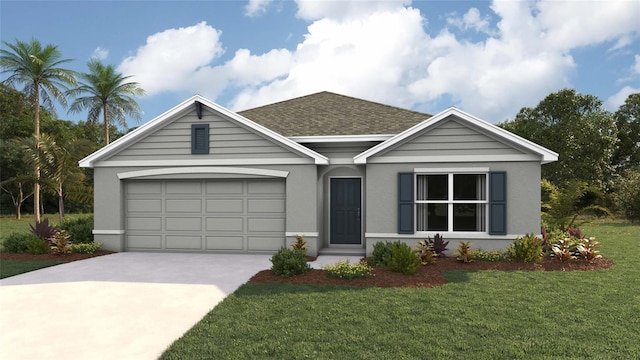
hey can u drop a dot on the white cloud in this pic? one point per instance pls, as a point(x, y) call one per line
point(636, 65)
point(256, 7)
point(99, 53)
point(472, 20)
point(344, 9)
point(170, 60)
point(617, 99)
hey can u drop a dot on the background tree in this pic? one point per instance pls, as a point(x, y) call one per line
point(60, 165)
point(44, 80)
point(578, 128)
point(627, 118)
point(15, 175)
point(108, 92)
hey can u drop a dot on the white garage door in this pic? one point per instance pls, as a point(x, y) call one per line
point(205, 215)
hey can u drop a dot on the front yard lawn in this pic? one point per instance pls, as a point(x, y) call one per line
point(477, 315)
point(15, 267)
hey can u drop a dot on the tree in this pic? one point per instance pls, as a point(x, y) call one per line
point(579, 129)
point(44, 80)
point(627, 118)
point(107, 92)
point(627, 194)
point(15, 176)
point(60, 164)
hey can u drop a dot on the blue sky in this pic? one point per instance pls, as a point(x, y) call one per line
point(487, 58)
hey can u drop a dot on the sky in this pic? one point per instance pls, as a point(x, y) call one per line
point(488, 58)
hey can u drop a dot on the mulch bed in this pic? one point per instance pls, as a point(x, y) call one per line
point(51, 257)
point(431, 275)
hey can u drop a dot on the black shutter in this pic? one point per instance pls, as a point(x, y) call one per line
point(405, 203)
point(200, 138)
point(498, 203)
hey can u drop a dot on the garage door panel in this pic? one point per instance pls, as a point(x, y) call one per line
point(224, 206)
point(140, 205)
point(264, 243)
point(183, 224)
point(144, 241)
point(183, 242)
point(266, 187)
point(265, 224)
point(224, 188)
point(144, 188)
point(184, 188)
point(225, 224)
point(145, 223)
point(225, 242)
point(266, 205)
point(182, 206)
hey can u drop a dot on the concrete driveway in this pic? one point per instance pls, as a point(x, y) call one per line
point(120, 306)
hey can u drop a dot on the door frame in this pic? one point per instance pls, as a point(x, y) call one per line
point(361, 212)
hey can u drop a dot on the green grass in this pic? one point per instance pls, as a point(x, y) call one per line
point(9, 224)
point(478, 315)
point(15, 267)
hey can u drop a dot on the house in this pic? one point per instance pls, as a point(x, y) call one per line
point(341, 171)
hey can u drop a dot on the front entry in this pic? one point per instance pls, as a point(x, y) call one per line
point(345, 206)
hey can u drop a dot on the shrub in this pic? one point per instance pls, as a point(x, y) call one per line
point(563, 250)
point(489, 255)
point(36, 246)
point(402, 259)
point(425, 252)
point(300, 244)
point(381, 251)
point(61, 243)
point(527, 248)
point(43, 230)
point(438, 244)
point(84, 248)
point(550, 237)
point(17, 242)
point(344, 270)
point(80, 230)
point(587, 248)
point(288, 262)
point(464, 252)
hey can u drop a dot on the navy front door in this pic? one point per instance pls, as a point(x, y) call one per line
point(345, 204)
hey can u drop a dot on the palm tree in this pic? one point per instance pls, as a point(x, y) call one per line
point(107, 92)
point(39, 70)
point(60, 164)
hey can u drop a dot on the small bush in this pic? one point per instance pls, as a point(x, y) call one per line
point(564, 250)
point(80, 230)
point(17, 242)
point(36, 246)
point(527, 248)
point(61, 243)
point(43, 230)
point(300, 244)
point(425, 252)
point(84, 248)
point(464, 252)
point(438, 244)
point(489, 255)
point(288, 262)
point(344, 270)
point(402, 259)
point(381, 251)
point(587, 248)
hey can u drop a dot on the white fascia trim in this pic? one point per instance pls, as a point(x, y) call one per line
point(303, 233)
point(202, 170)
point(445, 235)
point(452, 159)
point(339, 138)
point(133, 136)
point(452, 170)
point(108, 232)
point(546, 154)
point(203, 162)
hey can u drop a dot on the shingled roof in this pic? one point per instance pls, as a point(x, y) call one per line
point(326, 114)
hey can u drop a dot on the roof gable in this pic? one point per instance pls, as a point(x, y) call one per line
point(183, 108)
point(462, 117)
point(330, 114)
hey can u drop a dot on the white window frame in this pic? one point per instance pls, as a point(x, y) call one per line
point(450, 202)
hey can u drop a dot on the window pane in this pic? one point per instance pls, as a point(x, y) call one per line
point(469, 187)
point(432, 187)
point(432, 217)
point(469, 217)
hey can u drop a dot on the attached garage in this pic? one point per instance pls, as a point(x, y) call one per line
point(205, 215)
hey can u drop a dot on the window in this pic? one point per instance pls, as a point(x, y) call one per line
point(200, 138)
point(451, 202)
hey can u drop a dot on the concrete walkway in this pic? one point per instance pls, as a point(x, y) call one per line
point(120, 306)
